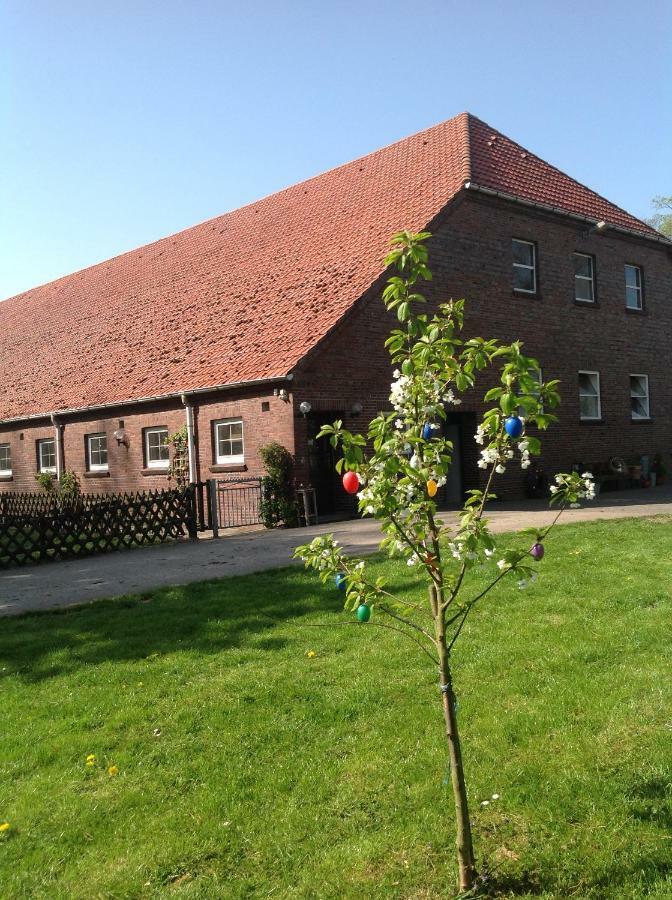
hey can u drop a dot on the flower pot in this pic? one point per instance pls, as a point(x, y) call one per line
point(635, 472)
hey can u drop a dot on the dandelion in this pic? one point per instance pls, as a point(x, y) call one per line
point(495, 796)
point(311, 654)
point(112, 771)
point(4, 827)
point(91, 759)
point(485, 803)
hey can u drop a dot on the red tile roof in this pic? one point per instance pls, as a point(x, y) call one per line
point(245, 296)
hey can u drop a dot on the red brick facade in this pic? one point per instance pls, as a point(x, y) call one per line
point(471, 257)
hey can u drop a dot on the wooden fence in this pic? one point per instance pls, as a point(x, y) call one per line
point(39, 527)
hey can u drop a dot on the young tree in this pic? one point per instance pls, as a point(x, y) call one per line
point(662, 218)
point(399, 480)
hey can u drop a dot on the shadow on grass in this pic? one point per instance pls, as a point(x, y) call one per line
point(206, 616)
point(645, 872)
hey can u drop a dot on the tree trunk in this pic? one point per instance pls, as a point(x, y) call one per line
point(465, 847)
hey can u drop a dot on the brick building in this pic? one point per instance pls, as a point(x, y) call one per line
point(231, 325)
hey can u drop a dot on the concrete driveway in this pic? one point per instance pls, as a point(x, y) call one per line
point(62, 584)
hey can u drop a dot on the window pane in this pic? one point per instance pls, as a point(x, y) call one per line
point(98, 450)
point(229, 440)
point(583, 265)
point(47, 454)
point(633, 298)
point(638, 387)
point(5, 458)
point(523, 279)
point(639, 408)
point(632, 276)
point(588, 407)
point(157, 447)
point(523, 253)
point(583, 289)
point(587, 383)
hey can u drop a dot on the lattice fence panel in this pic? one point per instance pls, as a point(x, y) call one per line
point(92, 524)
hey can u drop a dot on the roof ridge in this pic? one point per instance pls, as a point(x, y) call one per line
point(648, 228)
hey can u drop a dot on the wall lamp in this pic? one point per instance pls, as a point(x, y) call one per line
point(282, 393)
point(356, 409)
point(305, 408)
point(120, 436)
point(599, 228)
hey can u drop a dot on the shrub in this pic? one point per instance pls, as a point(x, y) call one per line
point(278, 501)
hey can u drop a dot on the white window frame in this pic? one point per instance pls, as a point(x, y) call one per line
point(590, 279)
point(96, 467)
point(234, 458)
point(6, 473)
point(532, 268)
point(156, 463)
point(640, 397)
point(599, 397)
point(639, 287)
point(51, 470)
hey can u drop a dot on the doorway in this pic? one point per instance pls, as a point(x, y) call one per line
point(322, 462)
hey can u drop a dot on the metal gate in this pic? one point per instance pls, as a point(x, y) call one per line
point(233, 502)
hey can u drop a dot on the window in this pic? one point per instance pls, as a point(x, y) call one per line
point(96, 450)
point(524, 266)
point(229, 441)
point(633, 287)
point(156, 448)
point(5, 460)
point(639, 396)
point(46, 455)
point(584, 279)
point(590, 405)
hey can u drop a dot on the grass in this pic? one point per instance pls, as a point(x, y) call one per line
point(248, 769)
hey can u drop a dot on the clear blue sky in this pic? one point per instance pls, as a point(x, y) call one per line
point(126, 121)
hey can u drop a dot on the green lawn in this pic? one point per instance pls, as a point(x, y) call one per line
point(248, 769)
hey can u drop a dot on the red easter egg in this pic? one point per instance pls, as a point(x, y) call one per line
point(351, 482)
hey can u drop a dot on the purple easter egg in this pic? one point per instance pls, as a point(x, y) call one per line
point(537, 551)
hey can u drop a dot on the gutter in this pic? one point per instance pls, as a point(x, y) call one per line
point(173, 395)
point(512, 198)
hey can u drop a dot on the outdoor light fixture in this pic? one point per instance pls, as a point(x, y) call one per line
point(599, 227)
point(356, 409)
point(305, 408)
point(120, 437)
point(282, 393)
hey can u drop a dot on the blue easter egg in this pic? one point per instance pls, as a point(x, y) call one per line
point(340, 581)
point(513, 426)
point(427, 432)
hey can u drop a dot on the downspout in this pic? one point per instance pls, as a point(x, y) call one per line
point(191, 442)
point(58, 443)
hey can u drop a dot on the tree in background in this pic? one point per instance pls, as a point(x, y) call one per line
point(662, 218)
point(399, 480)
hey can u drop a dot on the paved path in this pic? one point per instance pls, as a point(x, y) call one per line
point(78, 581)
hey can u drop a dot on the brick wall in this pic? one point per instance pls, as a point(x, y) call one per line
point(127, 469)
point(470, 256)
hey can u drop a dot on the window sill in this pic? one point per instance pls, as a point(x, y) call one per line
point(229, 467)
point(635, 312)
point(151, 470)
point(6, 478)
point(593, 304)
point(530, 295)
point(642, 421)
point(591, 422)
point(101, 474)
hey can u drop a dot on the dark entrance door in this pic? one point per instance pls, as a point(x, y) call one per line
point(322, 462)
